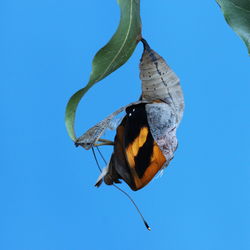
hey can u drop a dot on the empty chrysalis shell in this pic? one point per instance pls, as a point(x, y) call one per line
point(159, 81)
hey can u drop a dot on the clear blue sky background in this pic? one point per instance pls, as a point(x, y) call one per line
point(48, 201)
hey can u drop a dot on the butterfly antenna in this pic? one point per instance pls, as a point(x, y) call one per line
point(99, 151)
point(121, 190)
point(93, 151)
point(138, 210)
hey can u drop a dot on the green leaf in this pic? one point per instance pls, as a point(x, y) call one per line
point(113, 55)
point(237, 15)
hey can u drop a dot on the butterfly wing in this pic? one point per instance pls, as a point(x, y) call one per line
point(137, 157)
point(143, 155)
point(118, 167)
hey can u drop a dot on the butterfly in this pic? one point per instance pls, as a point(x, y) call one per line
point(137, 157)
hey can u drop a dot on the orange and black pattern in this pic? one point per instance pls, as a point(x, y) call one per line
point(136, 158)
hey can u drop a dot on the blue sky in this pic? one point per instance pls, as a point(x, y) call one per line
point(48, 200)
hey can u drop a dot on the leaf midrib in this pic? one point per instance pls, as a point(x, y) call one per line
point(123, 44)
point(238, 7)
